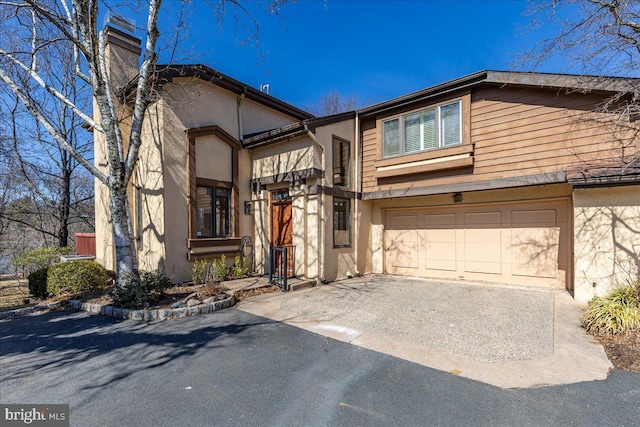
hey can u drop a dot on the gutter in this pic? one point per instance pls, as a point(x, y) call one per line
point(239, 110)
point(356, 202)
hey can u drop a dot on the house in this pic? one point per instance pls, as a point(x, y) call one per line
point(500, 177)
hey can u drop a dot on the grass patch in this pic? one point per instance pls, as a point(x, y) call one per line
point(616, 313)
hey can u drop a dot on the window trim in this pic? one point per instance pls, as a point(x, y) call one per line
point(192, 134)
point(347, 177)
point(437, 107)
point(348, 223)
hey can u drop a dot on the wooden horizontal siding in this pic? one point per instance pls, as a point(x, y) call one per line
point(517, 132)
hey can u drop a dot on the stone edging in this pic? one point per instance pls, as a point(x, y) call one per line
point(123, 313)
point(28, 310)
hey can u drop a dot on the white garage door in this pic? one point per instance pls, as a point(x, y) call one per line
point(526, 243)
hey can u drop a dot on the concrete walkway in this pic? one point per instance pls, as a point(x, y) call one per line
point(510, 337)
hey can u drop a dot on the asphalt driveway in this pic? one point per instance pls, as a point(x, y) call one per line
point(235, 369)
point(505, 336)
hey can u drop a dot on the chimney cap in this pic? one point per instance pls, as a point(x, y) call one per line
point(120, 22)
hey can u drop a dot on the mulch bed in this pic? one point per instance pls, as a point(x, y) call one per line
point(622, 350)
point(242, 295)
point(172, 295)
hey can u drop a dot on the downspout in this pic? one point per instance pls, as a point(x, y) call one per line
point(356, 220)
point(239, 111)
point(321, 215)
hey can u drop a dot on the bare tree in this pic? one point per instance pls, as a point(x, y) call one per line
point(334, 102)
point(33, 30)
point(60, 192)
point(593, 38)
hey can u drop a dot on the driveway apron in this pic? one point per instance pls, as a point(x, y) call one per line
point(510, 337)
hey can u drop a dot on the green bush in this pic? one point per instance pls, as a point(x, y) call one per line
point(146, 288)
point(616, 313)
point(74, 277)
point(220, 269)
point(240, 267)
point(38, 283)
point(39, 258)
point(199, 271)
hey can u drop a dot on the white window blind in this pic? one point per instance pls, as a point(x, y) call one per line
point(425, 130)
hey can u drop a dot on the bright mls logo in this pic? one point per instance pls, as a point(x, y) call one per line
point(36, 415)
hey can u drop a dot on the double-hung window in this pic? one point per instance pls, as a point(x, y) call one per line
point(213, 212)
point(436, 127)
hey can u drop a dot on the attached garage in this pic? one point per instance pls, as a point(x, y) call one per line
point(513, 243)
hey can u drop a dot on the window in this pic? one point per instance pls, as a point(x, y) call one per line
point(341, 162)
point(213, 212)
point(341, 223)
point(425, 130)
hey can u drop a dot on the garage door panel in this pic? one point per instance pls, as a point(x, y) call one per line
point(483, 219)
point(403, 222)
point(441, 256)
point(483, 257)
point(533, 218)
point(534, 251)
point(440, 221)
point(440, 242)
point(402, 248)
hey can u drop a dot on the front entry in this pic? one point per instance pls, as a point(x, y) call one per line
point(282, 226)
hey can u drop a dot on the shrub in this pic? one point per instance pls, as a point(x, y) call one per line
point(616, 313)
point(220, 270)
point(39, 258)
point(199, 271)
point(74, 277)
point(240, 267)
point(38, 283)
point(146, 288)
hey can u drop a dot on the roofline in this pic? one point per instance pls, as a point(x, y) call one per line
point(582, 83)
point(295, 129)
point(165, 73)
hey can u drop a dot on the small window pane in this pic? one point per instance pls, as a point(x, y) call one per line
point(222, 212)
point(430, 137)
point(413, 133)
point(341, 162)
point(341, 222)
point(391, 138)
point(204, 212)
point(450, 124)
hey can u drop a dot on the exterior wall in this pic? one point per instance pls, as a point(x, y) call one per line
point(256, 118)
point(147, 195)
point(515, 132)
point(296, 154)
point(338, 263)
point(191, 104)
point(312, 210)
point(606, 239)
point(273, 161)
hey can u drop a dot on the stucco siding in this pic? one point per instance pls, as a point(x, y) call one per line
point(606, 239)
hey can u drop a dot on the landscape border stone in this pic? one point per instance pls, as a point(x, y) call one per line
point(145, 315)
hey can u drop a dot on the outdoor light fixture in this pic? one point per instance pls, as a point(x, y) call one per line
point(248, 208)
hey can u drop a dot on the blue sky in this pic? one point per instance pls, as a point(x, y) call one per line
point(375, 50)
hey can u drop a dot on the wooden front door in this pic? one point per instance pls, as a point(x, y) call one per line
point(282, 225)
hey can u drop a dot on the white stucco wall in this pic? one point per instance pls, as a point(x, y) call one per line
point(606, 239)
